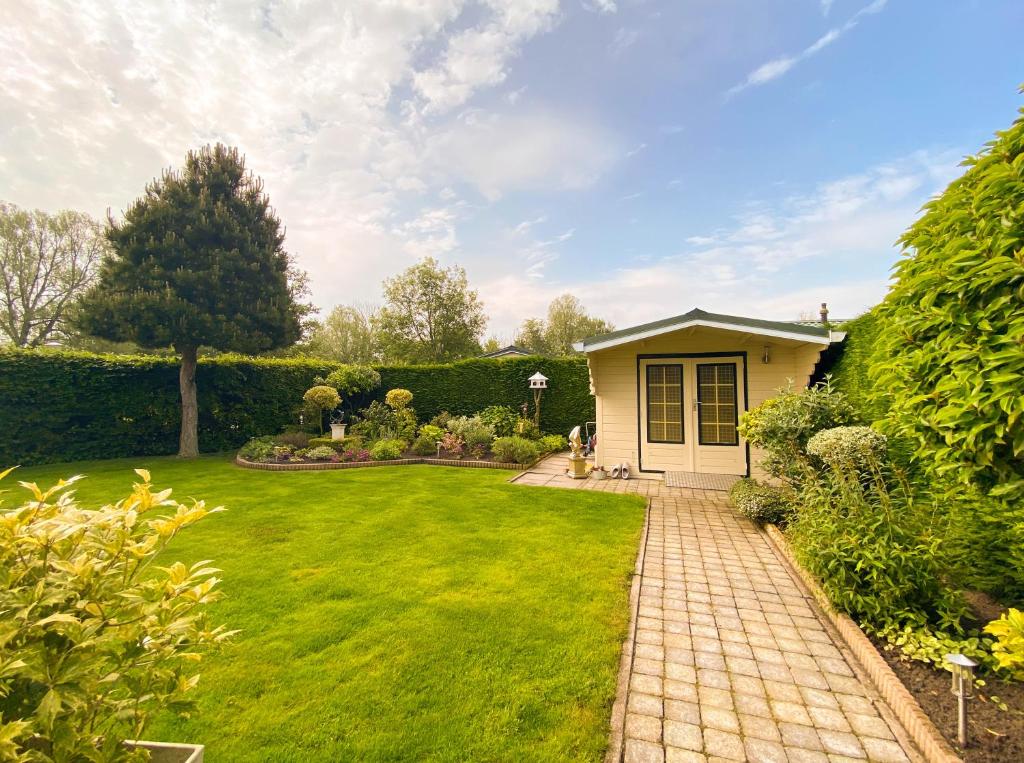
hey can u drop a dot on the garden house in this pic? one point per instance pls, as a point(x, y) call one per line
point(669, 393)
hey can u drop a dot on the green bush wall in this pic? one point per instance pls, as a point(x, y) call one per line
point(468, 386)
point(66, 406)
point(850, 373)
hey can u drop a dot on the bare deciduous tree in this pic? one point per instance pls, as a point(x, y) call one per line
point(46, 262)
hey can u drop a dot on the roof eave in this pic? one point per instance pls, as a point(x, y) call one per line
point(585, 346)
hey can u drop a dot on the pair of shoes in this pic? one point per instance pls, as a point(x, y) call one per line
point(620, 470)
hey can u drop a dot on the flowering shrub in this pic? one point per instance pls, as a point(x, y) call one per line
point(258, 449)
point(855, 446)
point(356, 454)
point(452, 444)
point(761, 503)
point(94, 636)
point(478, 451)
point(425, 446)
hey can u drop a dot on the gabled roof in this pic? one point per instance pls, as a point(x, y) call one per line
point(794, 331)
point(512, 349)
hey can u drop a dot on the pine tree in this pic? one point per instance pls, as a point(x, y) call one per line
point(199, 260)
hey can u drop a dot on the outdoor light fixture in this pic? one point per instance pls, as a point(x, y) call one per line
point(538, 383)
point(962, 667)
point(765, 357)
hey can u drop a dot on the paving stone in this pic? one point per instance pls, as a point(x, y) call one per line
point(800, 736)
point(759, 727)
point(751, 705)
point(883, 750)
point(723, 744)
point(680, 710)
point(643, 727)
point(639, 751)
point(677, 755)
point(841, 743)
point(764, 751)
point(645, 704)
point(827, 718)
point(720, 718)
point(687, 736)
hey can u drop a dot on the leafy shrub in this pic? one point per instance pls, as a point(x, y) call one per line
point(294, 438)
point(258, 449)
point(782, 425)
point(951, 359)
point(425, 446)
point(1008, 649)
point(472, 430)
point(405, 424)
point(82, 602)
point(441, 420)
point(387, 450)
point(351, 380)
point(761, 503)
point(527, 429)
point(373, 420)
point(514, 450)
point(432, 432)
point(328, 442)
point(852, 446)
point(398, 399)
point(501, 418)
point(452, 444)
point(877, 550)
point(552, 443)
point(321, 453)
point(478, 451)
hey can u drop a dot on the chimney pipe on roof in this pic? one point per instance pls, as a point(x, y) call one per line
point(824, 313)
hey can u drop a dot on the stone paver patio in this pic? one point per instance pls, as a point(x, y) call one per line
point(730, 660)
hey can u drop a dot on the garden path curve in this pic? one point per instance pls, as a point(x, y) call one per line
point(729, 657)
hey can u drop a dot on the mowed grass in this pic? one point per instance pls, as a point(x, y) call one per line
point(397, 613)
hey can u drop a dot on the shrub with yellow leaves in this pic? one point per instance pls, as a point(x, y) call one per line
point(94, 635)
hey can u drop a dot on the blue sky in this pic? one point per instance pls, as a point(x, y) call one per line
point(649, 157)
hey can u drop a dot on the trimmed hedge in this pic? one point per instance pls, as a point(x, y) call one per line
point(67, 406)
point(850, 373)
point(468, 386)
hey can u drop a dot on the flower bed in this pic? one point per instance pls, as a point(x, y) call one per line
point(299, 466)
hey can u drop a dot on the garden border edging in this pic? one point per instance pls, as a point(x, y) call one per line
point(904, 706)
point(319, 466)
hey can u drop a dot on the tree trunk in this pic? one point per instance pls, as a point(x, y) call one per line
point(188, 444)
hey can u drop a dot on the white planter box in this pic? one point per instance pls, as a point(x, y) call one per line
point(169, 752)
point(338, 431)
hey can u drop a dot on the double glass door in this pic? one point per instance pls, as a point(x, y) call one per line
point(689, 411)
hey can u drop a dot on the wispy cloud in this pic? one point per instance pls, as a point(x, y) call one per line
point(600, 6)
point(777, 67)
point(624, 39)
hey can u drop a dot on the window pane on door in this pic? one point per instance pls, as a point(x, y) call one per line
point(665, 403)
point(717, 409)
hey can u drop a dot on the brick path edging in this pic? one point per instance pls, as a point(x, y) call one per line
point(617, 734)
point(918, 725)
point(320, 466)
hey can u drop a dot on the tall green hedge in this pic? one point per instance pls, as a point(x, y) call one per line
point(850, 373)
point(64, 406)
point(467, 386)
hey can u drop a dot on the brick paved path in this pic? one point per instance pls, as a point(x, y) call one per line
point(731, 660)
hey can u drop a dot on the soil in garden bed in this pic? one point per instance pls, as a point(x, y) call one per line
point(996, 736)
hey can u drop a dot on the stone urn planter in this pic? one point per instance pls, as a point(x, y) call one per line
point(169, 752)
point(338, 431)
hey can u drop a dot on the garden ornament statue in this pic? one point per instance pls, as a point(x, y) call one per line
point(577, 463)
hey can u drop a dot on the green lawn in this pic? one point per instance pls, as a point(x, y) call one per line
point(398, 613)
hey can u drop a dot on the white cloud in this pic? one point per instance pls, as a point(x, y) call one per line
point(601, 6)
point(499, 153)
point(478, 57)
point(777, 67)
point(624, 39)
point(341, 112)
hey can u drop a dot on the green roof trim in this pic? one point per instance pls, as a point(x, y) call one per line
point(789, 329)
